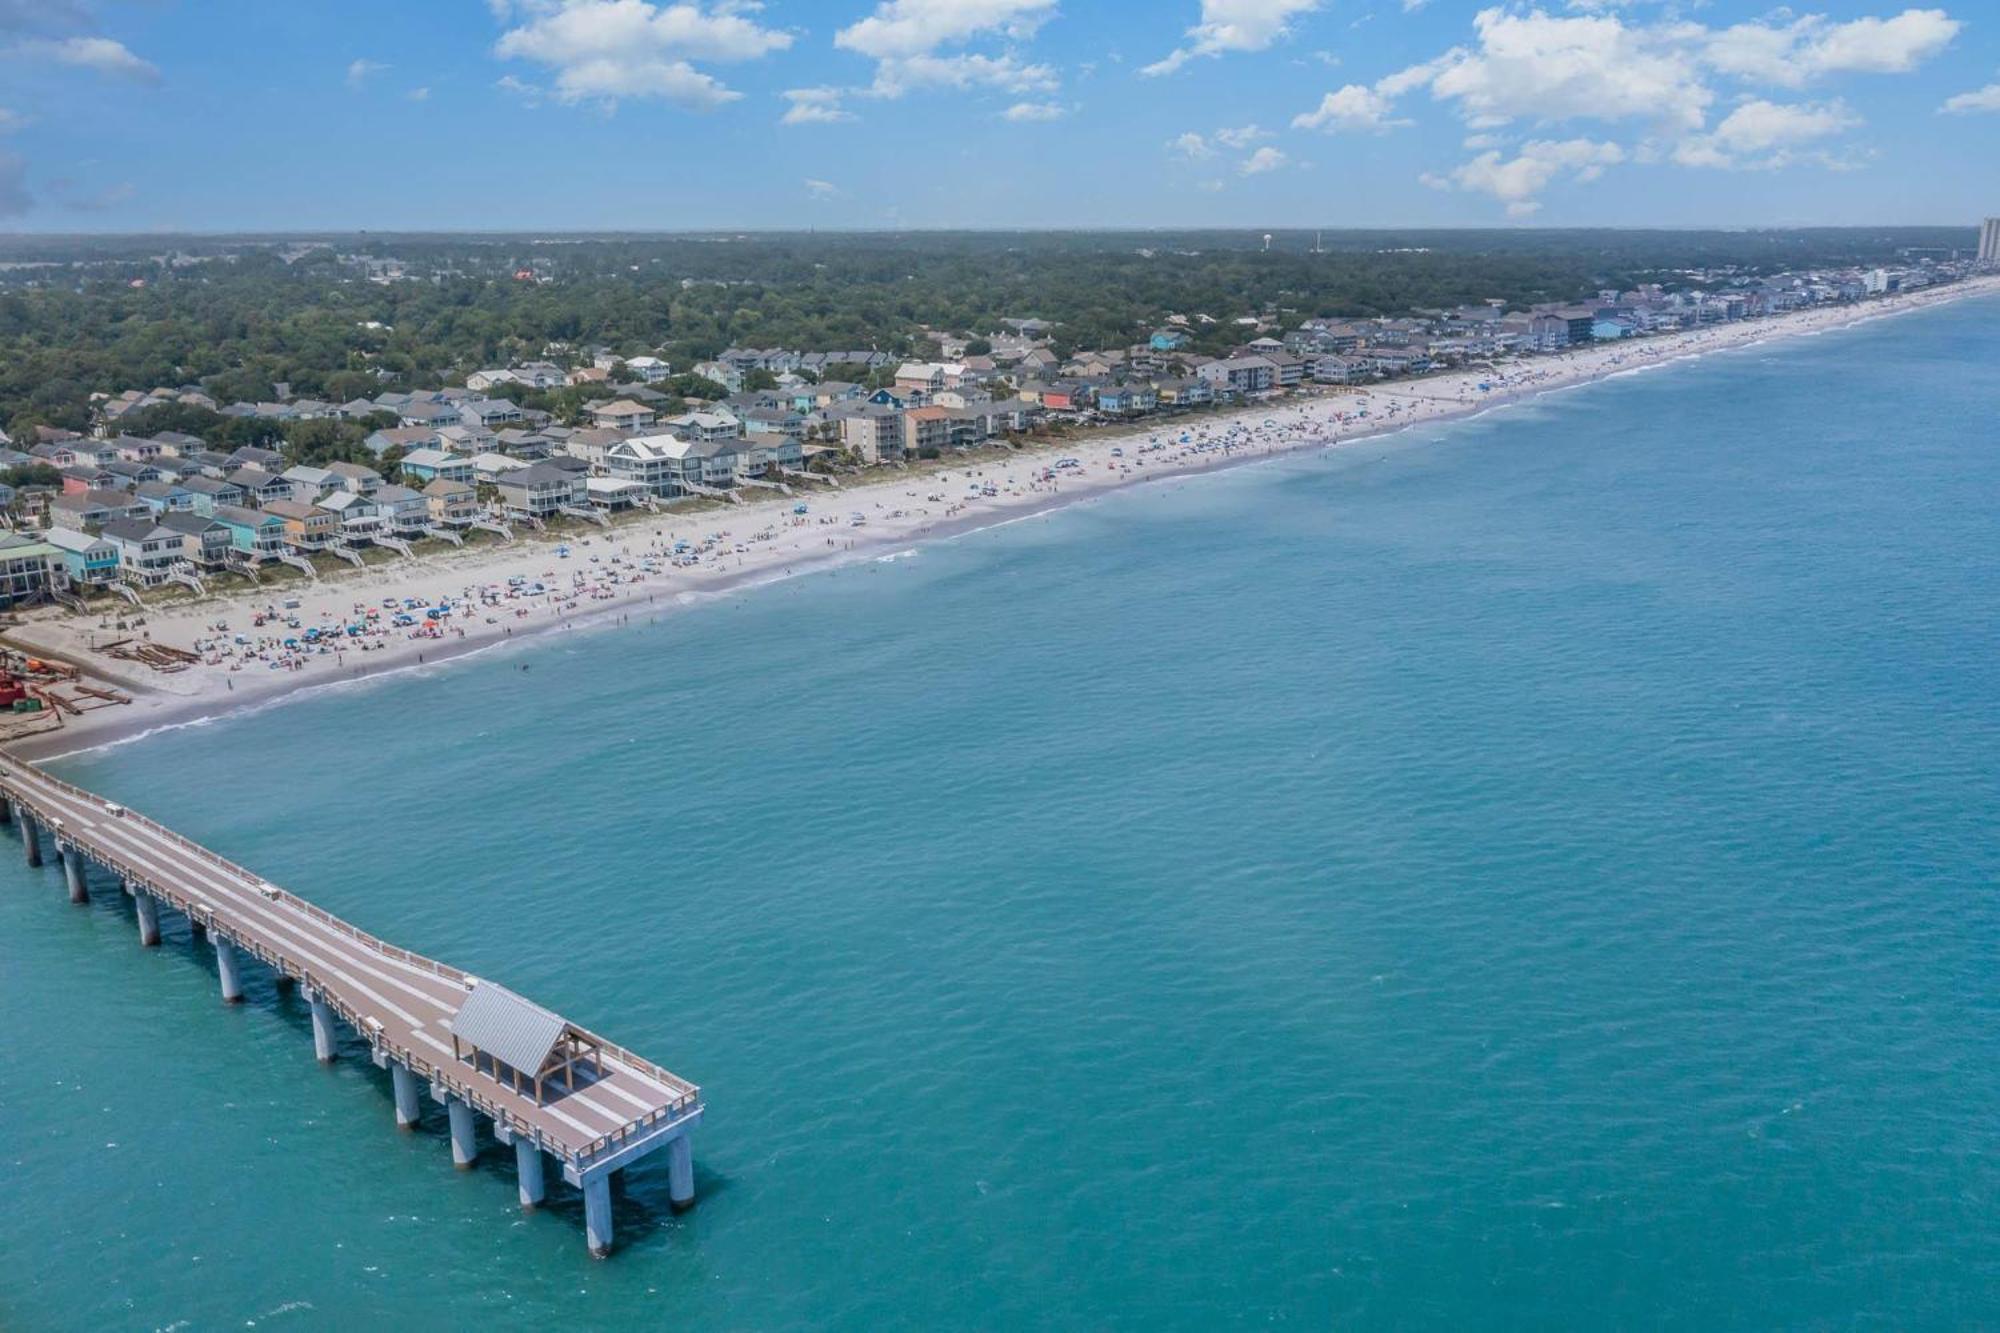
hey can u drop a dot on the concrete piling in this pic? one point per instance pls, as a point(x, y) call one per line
point(79, 887)
point(409, 1110)
point(528, 1166)
point(464, 1134)
point(323, 1036)
point(31, 839)
point(680, 1174)
point(226, 970)
point(149, 919)
point(597, 1214)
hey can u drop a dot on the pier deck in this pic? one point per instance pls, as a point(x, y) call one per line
point(593, 1114)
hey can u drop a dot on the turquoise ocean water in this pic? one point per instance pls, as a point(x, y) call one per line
point(1538, 872)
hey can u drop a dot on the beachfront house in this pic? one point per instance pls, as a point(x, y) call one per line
point(451, 503)
point(1333, 368)
point(254, 532)
point(489, 468)
point(308, 483)
point(1127, 399)
point(427, 465)
point(646, 460)
point(1185, 393)
point(165, 497)
point(359, 517)
point(1241, 374)
point(609, 495)
point(95, 508)
point(29, 569)
point(147, 550)
point(206, 494)
point(86, 559)
point(354, 477)
point(204, 541)
point(540, 490)
point(404, 511)
point(756, 457)
point(259, 486)
point(926, 431)
point(872, 432)
point(308, 527)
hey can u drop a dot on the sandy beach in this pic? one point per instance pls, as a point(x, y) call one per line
point(359, 623)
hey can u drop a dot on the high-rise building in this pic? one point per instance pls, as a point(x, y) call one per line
point(1989, 242)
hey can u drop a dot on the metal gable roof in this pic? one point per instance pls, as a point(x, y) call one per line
point(512, 1030)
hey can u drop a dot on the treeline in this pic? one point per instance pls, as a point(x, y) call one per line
point(106, 314)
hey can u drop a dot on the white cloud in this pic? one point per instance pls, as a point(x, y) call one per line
point(99, 54)
point(818, 189)
point(1354, 107)
point(1535, 66)
point(528, 92)
point(894, 78)
point(1035, 111)
point(361, 71)
point(1516, 181)
point(1529, 66)
point(903, 28)
point(419, 94)
point(908, 40)
point(1984, 99)
point(1243, 137)
point(1763, 134)
point(1265, 159)
point(1228, 26)
point(11, 121)
point(814, 106)
point(608, 50)
point(1546, 68)
point(1191, 146)
point(1792, 54)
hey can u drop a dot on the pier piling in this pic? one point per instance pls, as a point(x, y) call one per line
point(149, 920)
point(464, 1134)
point(322, 1017)
point(31, 840)
point(79, 887)
point(227, 971)
point(597, 1214)
point(528, 1166)
point(680, 1174)
point(409, 1109)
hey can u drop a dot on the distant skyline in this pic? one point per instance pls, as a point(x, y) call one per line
point(234, 115)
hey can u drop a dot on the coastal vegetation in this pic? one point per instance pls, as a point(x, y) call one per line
point(346, 317)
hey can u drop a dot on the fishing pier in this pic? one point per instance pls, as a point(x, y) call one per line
point(547, 1088)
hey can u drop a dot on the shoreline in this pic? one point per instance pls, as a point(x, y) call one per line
point(899, 509)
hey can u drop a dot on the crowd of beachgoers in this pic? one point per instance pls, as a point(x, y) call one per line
point(425, 609)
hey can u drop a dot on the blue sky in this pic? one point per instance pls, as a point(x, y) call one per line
point(586, 114)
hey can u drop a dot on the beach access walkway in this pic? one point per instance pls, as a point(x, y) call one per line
point(547, 1087)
